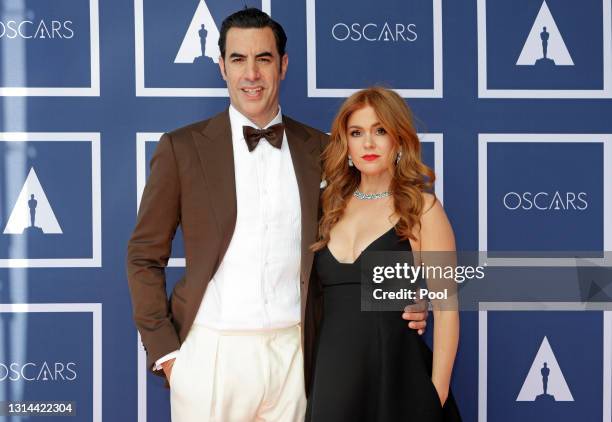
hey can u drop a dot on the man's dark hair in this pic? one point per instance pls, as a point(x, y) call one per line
point(252, 18)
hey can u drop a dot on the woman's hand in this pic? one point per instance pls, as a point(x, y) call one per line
point(442, 392)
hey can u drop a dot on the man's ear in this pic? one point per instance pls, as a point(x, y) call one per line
point(284, 65)
point(222, 67)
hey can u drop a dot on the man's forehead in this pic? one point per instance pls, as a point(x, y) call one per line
point(250, 41)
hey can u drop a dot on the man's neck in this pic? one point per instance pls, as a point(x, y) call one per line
point(262, 122)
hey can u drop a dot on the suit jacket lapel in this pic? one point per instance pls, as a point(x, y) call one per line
point(305, 151)
point(214, 146)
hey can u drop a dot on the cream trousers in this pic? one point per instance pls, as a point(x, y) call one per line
point(239, 376)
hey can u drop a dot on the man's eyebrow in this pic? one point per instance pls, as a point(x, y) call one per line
point(264, 54)
point(238, 55)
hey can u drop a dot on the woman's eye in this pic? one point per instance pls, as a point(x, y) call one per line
point(381, 131)
point(355, 133)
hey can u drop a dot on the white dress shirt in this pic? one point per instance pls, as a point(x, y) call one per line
point(257, 285)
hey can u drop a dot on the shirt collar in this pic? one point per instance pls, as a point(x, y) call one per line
point(237, 120)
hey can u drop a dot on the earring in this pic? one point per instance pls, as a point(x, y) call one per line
point(350, 161)
point(399, 155)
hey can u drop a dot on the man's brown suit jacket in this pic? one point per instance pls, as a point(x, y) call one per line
point(192, 183)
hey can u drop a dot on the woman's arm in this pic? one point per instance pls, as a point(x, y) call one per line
point(436, 234)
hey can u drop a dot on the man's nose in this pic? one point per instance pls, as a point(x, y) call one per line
point(252, 71)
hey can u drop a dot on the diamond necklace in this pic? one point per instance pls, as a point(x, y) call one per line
point(366, 196)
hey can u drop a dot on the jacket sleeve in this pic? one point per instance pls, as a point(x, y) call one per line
point(149, 250)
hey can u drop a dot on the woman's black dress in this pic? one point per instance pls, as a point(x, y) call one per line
point(369, 366)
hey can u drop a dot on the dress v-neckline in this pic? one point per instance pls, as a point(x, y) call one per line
point(362, 251)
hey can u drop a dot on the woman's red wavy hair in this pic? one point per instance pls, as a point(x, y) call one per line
point(410, 176)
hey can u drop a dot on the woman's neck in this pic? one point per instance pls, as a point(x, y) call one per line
point(375, 183)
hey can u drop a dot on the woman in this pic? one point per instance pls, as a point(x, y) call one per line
point(368, 365)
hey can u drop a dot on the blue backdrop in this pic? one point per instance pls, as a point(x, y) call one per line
point(521, 142)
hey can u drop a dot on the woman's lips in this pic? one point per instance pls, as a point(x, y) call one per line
point(370, 157)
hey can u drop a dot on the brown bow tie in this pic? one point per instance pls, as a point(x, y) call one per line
point(273, 134)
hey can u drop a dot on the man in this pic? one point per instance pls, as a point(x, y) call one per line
point(230, 338)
